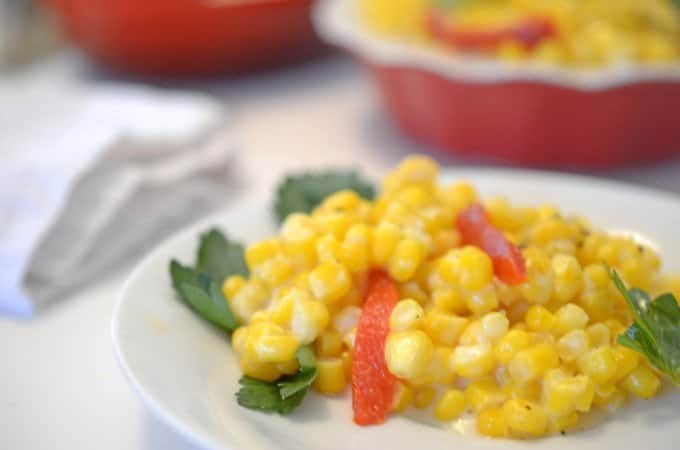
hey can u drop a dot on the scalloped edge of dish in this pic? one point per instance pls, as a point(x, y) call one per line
point(336, 22)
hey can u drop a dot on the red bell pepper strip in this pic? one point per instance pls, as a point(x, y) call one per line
point(475, 229)
point(373, 386)
point(528, 32)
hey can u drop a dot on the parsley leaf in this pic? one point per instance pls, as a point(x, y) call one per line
point(200, 287)
point(656, 330)
point(282, 395)
point(303, 192)
point(219, 257)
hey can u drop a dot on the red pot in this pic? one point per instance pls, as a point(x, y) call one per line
point(190, 37)
point(519, 113)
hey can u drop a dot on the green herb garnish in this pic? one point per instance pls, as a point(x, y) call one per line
point(655, 333)
point(303, 192)
point(282, 395)
point(200, 287)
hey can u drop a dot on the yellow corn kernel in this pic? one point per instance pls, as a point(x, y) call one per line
point(483, 394)
point(443, 328)
point(386, 238)
point(525, 418)
point(347, 364)
point(613, 401)
point(616, 328)
point(510, 344)
point(573, 345)
point(517, 313)
point(250, 298)
point(491, 422)
point(330, 281)
point(406, 315)
point(440, 367)
point(445, 240)
point(568, 277)
point(275, 271)
point(531, 363)
point(329, 343)
point(448, 268)
point(403, 397)
point(332, 222)
point(599, 364)
point(343, 200)
point(275, 349)
point(289, 367)
point(328, 247)
point(472, 360)
point(538, 287)
point(417, 170)
point(560, 424)
point(232, 285)
point(449, 300)
point(566, 395)
point(450, 406)
point(330, 375)
point(408, 353)
point(349, 338)
point(527, 391)
point(251, 367)
point(641, 382)
point(570, 317)
point(299, 239)
point(239, 338)
point(472, 334)
point(424, 397)
point(476, 269)
point(346, 319)
point(626, 361)
point(538, 318)
point(413, 290)
point(494, 326)
point(599, 335)
point(309, 319)
point(405, 260)
point(483, 301)
point(356, 248)
point(261, 251)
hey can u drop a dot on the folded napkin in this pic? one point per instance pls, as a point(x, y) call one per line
point(93, 174)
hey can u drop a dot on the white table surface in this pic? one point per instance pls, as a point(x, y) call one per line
point(60, 387)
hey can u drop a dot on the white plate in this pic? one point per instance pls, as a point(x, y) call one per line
point(184, 370)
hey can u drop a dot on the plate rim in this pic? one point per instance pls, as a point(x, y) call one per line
point(204, 439)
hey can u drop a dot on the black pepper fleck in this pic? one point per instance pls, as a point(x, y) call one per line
point(562, 432)
point(641, 248)
point(528, 407)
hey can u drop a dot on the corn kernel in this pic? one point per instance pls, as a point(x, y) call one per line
point(568, 278)
point(406, 315)
point(599, 364)
point(249, 299)
point(408, 353)
point(349, 338)
point(239, 338)
point(356, 248)
point(275, 270)
point(483, 301)
point(573, 345)
point(570, 317)
point(329, 343)
point(276, 349)
point(538, 287)
point(613, 401)
point(405, 260)
point(450, 406)
point(510, 344)
point(566, 395)
point(330, 281)
point(346, 319)
point(476, 269)
point(626, 361)
point(330, 375)
point(538, 318)
point(527, 391)
point(251, 367)
point(328, 248)
point(309, 319)
point(424, 397)
point(347, 364)
point(472, 360)
point(260, 252)
point(403, 397)
point(560, 424)
point(483, 394)
point(413, 290)
point(599, 335)
point(449, 299)
point(473, 334)
point(386, 238)
point(531, 363)
point(444, 329)
point(641, 382)
point(525, 418)
point(232, 285)
point(445, 240)
point(491, 422)
point(494, 326)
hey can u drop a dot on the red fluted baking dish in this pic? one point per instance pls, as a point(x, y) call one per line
point(517, 112)
point(189, 37)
